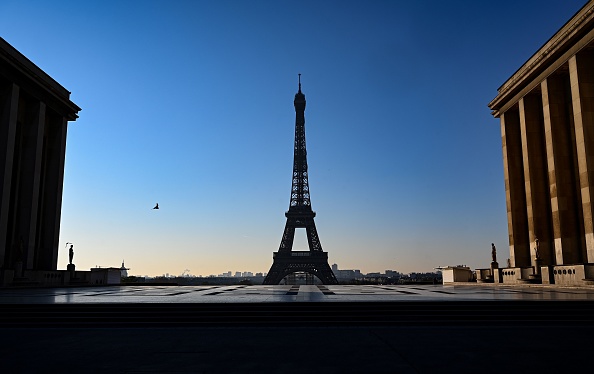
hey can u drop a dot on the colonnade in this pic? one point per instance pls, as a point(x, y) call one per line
point(32, 151)
point(548, 154)
point(34, 114)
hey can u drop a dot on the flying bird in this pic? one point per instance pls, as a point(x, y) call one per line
point(156, 206)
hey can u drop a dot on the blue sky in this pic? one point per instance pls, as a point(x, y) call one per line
point(190, 104)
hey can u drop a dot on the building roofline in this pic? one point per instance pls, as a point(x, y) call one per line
point(31, 71)
point(550, 51)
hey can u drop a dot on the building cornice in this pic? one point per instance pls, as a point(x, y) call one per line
point(34, 74)
point(574, 35)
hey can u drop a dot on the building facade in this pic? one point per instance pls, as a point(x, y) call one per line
point(34, 115)
point(546, 112)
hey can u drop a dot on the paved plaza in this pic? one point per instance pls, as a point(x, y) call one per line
point(295, 329)
point(296, 293)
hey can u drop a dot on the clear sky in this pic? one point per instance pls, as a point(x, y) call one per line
point(190, 104)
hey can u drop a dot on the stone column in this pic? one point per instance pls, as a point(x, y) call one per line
point(538, 202)
point(558, 123)
point(29, 184)
point(9, 99)
point(52, 179)
point(515, 194)
point(581, 75)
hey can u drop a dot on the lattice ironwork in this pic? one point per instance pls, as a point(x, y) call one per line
point(300, 215)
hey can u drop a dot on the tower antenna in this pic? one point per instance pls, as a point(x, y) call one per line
point(299, 82)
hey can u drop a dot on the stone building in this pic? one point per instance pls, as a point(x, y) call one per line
point(34, 115)
point(546, 112)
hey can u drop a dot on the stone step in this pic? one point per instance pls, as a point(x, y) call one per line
point(504, 313)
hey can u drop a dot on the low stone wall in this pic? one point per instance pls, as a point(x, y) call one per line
point(563, 275)
point(484, 275)
point(46, 277)
point(569, 275)
point(516, 275)
point(56, 278)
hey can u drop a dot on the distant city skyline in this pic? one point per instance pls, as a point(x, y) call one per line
point(190, 105)
point(243, 274)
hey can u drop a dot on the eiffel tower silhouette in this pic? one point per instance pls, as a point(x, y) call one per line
point(286, 261)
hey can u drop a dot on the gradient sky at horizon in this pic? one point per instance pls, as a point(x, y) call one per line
point(190, 104)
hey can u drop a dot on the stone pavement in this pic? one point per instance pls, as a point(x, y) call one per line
point(303, 293)
point(325, 329)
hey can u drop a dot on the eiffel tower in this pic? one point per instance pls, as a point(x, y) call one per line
point(286, 261)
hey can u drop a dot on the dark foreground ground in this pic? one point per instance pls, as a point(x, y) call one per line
point(468, 329)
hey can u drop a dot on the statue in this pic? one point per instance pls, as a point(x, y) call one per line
point(493, 252)
point(508, 263)
point(71, 253)
point(536, 249)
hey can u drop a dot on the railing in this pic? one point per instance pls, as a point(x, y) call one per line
point(300, 254)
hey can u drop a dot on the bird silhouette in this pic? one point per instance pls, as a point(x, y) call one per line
point(156, 206)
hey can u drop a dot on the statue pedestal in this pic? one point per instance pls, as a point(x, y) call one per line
point(494, 265)
point(537, 266)
point(71, 268)
point(18, 269)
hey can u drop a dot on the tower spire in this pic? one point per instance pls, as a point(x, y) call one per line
point(299, 82)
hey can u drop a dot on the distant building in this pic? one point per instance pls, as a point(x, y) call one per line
point(345, 275)
point(100, 276)
point(459, 273)
point(124, 270)
point(392, 273)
